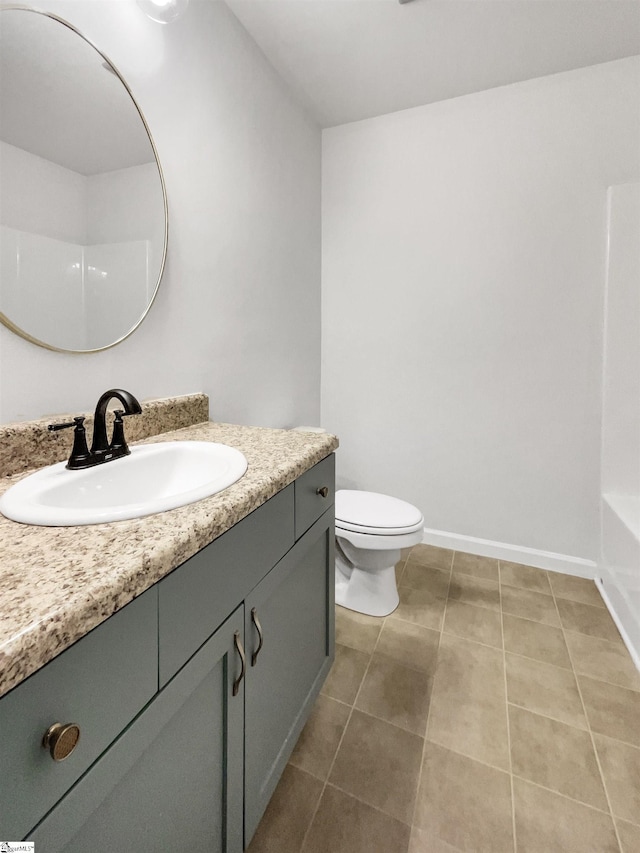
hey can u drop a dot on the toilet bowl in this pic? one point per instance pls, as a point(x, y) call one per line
point(371, 529)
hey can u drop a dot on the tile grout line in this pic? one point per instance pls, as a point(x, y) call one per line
point(549, 716)
point(369, 806)
point(567, 797)
point(344, 730)
point(506, 702)
point(589, 729)
point(426, 727)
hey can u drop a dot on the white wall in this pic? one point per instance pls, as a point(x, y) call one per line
point(463, 272)
point(237, 314)
point(125, 204)
point(621, 407)
point(125, 236)
point(41, 197)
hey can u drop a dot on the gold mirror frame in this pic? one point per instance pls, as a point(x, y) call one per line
point(3, 318)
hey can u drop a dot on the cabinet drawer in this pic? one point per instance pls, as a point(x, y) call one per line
point(197, 596)
point(310, 499)
point(99, 683)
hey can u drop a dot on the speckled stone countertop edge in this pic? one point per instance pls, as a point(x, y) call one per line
point(79, 576)
point(29, 444)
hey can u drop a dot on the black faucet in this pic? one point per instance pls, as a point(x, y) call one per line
point(101, 449)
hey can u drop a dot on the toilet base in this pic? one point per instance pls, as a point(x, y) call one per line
point(373, 593)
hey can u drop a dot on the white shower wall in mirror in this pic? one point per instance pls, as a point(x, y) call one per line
point(87, 237)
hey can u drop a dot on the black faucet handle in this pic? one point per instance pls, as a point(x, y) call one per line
point(80, 453)
point(118, 441)
point(76, 422)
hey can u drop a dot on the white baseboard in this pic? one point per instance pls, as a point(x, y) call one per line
point(513, 553)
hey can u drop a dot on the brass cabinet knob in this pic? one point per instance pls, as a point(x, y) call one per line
point(323, 491)
point(61, 739)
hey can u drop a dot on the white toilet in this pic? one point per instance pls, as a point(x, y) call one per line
point(370, 531)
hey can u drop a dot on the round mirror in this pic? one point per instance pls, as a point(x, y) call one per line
point(83, 212)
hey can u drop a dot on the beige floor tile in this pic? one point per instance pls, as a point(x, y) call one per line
point(524, 577)
point(529, 605)
point(535, 640)
point(318, 742)
point(433, 580)
point(556, 756)
point(575, 589)
point(379, 764)
point(345, 825)
point(468, 709)
point(411, 645)
point(629, 836)
point(550, 823)
point(603, 660)
point(480, 567)
point(472, 590)
point(473, 623)
point(421, 607)
point(396, 694)
point(347, 672)
point(289, 813)
point(423, 841)
point(612, 711)
point(544, 689)
point(464, 803)
point(587, 619)
point(357, 630)
point(621, 770)
point(430, 555)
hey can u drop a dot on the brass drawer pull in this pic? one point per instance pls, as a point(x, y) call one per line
point(61, 739)
point(256, 622)
point(323, 491)
point(243, 662)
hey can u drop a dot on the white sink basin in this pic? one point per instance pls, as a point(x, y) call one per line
point(154, 478)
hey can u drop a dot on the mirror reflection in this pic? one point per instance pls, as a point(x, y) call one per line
point(83, 211)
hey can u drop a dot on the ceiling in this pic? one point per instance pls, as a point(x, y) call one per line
point(352, 59)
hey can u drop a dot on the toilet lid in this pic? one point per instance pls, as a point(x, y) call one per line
point(370, 512)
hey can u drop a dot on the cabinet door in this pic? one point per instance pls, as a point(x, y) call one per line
point(293, 606)
point(173, 780)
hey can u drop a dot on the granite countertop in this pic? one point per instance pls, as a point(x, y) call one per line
point(57, 583)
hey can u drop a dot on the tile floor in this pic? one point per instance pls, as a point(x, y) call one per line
point(496, 710)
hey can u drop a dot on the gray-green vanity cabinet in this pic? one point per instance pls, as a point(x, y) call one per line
point(196, 768)
point(289, 628)
point(196, 597)
point(173, 779)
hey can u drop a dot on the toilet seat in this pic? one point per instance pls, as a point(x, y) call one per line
point(374, 514)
